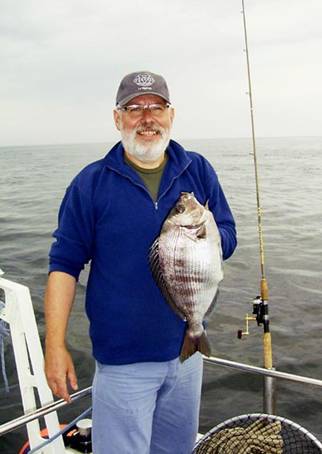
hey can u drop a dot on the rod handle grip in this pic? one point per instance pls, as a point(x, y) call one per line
point(264, 289)
point(268, 357)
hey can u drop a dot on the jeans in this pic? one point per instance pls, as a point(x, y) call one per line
point(147, 408)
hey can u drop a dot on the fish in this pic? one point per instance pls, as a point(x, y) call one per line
point(186, 263)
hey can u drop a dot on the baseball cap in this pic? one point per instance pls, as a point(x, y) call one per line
point(141, 83)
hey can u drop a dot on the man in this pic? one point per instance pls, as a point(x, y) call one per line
point(144, 400)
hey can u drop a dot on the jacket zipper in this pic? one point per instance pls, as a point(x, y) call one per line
point(156, 204)
point(136, 184)
point(170, 184)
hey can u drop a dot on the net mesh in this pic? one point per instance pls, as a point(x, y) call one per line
point(258, 434)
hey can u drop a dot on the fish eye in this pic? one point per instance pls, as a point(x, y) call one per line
point(180, 208)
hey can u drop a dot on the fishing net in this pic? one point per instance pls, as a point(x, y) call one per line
point(258, 434)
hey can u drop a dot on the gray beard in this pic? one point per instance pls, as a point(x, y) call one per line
point(145, 153)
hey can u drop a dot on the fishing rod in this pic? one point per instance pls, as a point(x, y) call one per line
point(260, 304)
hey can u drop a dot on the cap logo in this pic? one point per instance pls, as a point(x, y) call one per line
point(144, 80)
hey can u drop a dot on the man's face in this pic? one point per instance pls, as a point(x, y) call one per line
point(145, 136)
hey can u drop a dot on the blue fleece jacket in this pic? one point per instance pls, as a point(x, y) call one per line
point(108, 216)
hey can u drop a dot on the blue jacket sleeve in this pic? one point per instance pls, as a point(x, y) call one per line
point(74, 235)
point(218, 205)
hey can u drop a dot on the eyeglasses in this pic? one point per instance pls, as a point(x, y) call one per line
point(136, 110)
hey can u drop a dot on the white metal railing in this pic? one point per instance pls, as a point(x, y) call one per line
point(19, 314)
point(54, 406)
point(261, 371)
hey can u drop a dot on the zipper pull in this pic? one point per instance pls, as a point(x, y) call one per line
point(156, 205)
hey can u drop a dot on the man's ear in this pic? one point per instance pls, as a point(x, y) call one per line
point(172, 114)
point(117, 119)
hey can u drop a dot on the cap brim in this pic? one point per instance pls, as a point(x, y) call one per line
point(128, 98)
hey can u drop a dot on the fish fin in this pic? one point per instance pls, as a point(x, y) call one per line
point(192, 345)
point(212, 305)
point(154, 260)
point(189, 347)
point(202, 231)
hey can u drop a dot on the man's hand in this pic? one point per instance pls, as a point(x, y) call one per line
point(59, 367)
point(60, 371)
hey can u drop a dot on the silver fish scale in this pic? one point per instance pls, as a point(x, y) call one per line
point(191, 269)
point(186, 263)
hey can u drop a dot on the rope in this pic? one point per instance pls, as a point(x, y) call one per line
point(258, 434)
point(259, 437)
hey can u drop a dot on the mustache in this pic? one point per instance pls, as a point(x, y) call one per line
point(151, 128)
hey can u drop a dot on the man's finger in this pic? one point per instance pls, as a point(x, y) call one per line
point(72, 378)
point(52, 386)
point(64, 394)
point(61, 390)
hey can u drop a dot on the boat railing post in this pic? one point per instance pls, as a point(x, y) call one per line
point(19, 314)
point(269, 395)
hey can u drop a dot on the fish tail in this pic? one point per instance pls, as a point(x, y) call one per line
point(188, 348)
point(195, 344)
point(203, 345)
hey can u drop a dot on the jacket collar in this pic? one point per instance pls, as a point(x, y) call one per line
point(178, 161)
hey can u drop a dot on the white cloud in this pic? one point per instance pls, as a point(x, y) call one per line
point(62, 62)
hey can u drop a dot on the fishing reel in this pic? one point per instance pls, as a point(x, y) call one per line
point(259, 312)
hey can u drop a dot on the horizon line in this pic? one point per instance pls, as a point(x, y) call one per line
point(177, 140)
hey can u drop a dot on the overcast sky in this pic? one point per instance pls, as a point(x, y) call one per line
point(62, 60)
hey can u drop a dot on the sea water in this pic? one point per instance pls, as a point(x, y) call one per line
point(33, 180)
